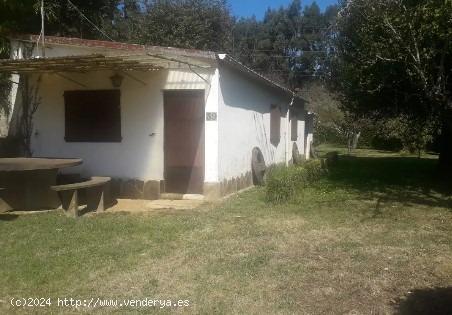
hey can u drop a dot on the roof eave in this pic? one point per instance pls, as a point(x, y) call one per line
point(227, 59)
point(207, 56)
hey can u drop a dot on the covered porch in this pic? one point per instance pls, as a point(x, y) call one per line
point(138, 118)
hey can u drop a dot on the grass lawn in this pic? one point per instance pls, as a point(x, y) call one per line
point(374, 237)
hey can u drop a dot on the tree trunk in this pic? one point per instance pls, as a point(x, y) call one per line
point(355, 140)
point(349, 142)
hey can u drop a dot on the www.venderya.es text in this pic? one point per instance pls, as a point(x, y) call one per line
point(98, 302)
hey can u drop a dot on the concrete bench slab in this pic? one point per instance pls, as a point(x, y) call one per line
point(95, 195)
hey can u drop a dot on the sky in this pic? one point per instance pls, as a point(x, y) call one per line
point(246, 8)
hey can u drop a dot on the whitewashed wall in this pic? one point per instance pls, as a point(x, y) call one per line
point(139, 155)
point(244, 123)
point(301, 139)
point(242, 106)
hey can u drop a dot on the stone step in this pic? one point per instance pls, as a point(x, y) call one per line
point(173, 196)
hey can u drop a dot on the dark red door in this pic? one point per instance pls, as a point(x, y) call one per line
point(184, 141)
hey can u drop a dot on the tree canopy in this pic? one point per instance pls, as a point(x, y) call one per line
point(394, 59)
point(200, 24)
point(62, 17)
point(290, 44)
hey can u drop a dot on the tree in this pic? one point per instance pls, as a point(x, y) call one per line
point(127, 24)
point(414, 137)
point(198, 24)
point(290, 45)
point(394, 59)
point(63, 18)
point(333, 124)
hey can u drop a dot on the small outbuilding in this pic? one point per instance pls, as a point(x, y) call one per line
point(157, 120)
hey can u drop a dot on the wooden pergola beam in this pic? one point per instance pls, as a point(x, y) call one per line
point(95, 62)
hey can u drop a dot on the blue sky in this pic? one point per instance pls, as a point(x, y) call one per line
point(247, 8)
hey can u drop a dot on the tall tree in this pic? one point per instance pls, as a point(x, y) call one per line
point(63, 17)
point(394, 59)
point(289, 45)
point(128, 21)
point(200, 24)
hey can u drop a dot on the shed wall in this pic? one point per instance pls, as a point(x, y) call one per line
point(244, 123)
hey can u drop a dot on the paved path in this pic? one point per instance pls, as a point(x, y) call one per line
point(137, 206)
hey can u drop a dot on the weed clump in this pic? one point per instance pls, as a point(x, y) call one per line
point(283, 182)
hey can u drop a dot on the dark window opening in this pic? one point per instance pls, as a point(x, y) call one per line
point(92, 116)
point(293, 125)
point(275, 124)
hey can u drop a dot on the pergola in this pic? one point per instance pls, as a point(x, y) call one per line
point(98, 62)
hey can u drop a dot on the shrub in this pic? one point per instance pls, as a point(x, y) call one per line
point(386, 143)
point(331, 158)
point(283, 182)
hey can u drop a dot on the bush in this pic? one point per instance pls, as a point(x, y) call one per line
point(327, 134)
point(331, 158)
point(386, 143)
point(283, 182)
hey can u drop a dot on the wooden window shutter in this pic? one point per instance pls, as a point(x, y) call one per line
point(92, 116)
point(275, 124)
point(293, 125)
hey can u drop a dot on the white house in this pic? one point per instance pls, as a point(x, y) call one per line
point(158, 120)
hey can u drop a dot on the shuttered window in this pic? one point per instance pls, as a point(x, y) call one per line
point(293, 125)
point(92, 116)
point(275, 124)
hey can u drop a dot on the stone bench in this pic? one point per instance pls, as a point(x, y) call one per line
point(4, 206)
point(95, 188)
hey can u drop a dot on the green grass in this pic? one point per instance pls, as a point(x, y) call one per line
point(358, 241)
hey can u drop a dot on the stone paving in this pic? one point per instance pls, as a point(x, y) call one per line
point(137, 206)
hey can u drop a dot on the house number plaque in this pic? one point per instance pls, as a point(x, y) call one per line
point(211, 116)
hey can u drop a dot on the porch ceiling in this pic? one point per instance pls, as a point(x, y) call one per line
point(97, 62)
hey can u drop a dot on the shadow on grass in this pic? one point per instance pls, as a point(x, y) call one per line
point(8, 217)
point(436, 301)
point(407, 180)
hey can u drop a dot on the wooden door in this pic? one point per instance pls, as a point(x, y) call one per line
point(184, 141)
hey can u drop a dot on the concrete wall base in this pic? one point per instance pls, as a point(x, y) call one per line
point(212, 191)
point(215, 191)
point(153, 189)
point(136, 189)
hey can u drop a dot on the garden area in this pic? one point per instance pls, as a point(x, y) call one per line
point(373, 235)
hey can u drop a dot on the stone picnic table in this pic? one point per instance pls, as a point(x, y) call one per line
point(26, 182)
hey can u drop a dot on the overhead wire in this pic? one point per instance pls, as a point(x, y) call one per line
point(88, 20)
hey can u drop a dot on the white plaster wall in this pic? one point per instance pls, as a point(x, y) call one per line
point(242, 106)
point(244, 123)
point(140, 153)
point(301, 139)
point(309, 133)
point(211, 132)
